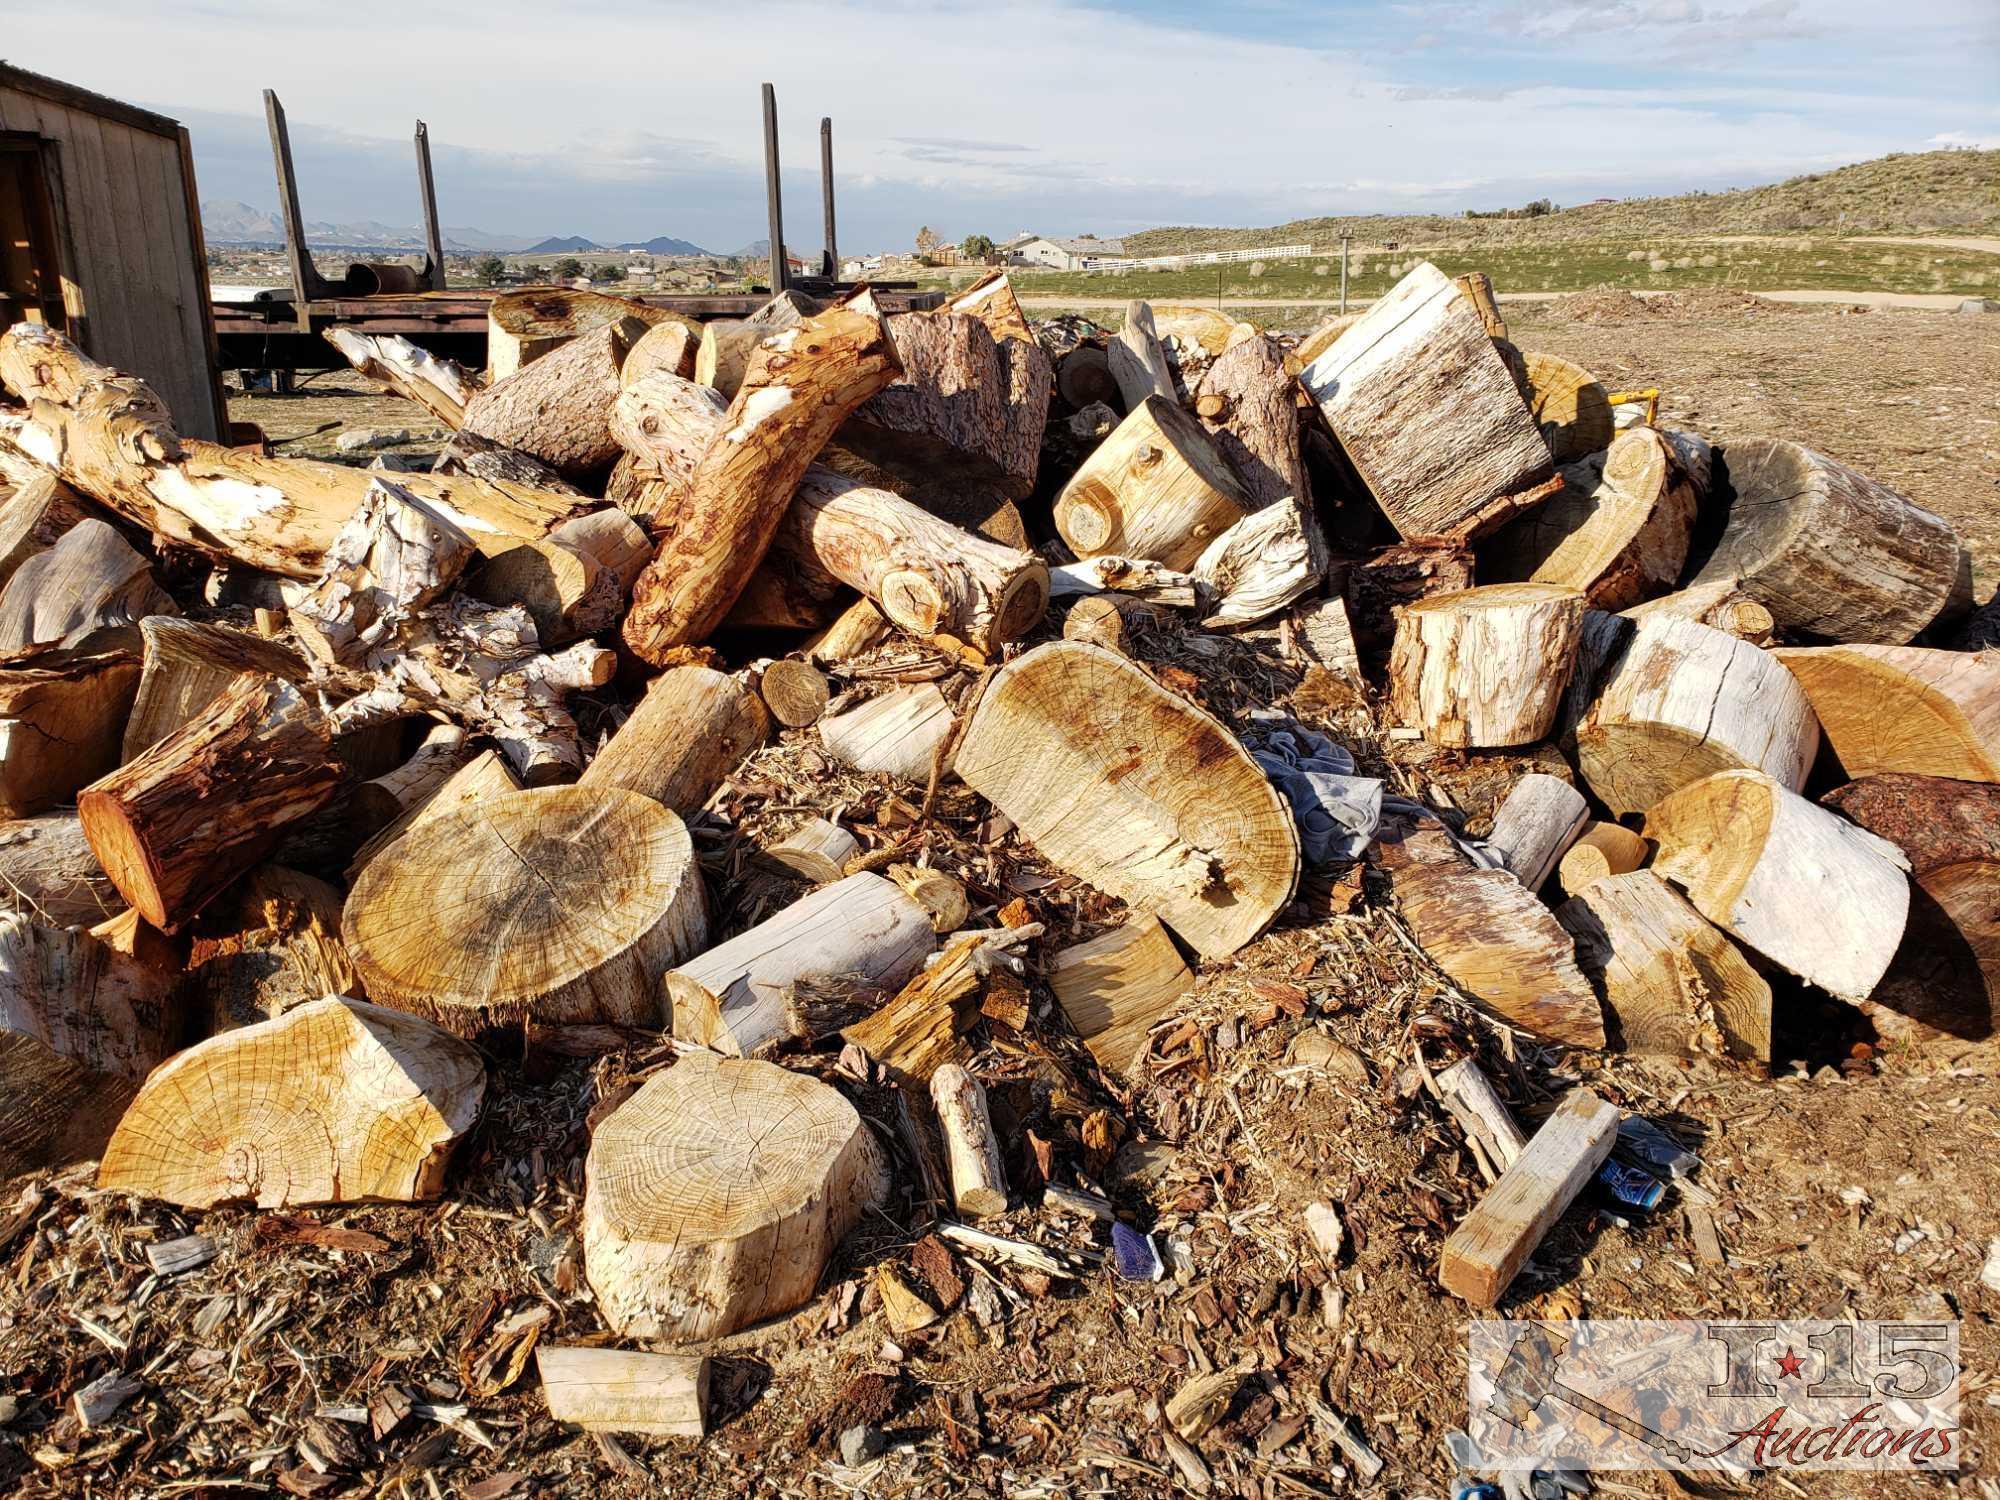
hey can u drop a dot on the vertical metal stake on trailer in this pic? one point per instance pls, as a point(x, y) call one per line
point(779, 279)
point(433, 271)
point(307, 284)
point(1343, 275)
point(830, 254)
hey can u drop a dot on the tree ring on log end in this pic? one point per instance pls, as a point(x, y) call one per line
point(1092, 517)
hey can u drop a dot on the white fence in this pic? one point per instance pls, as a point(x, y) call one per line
point(1198, 258)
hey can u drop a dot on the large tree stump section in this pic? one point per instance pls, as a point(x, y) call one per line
point(48, 872)
point(62, 719)
point(1248, 402)
point(85, 594)
point(524, 326)
point(732, 997)
point(1948, 974)
point(440, 386)
point(1829, 551)
point(557, 904)
point(109, 1011)
point(1904, 708)
point(715, 1196)
point(335, 1102)
point(559, 408)
point(1116, 987)
point(1485, 668)
point(185, 665)
point(799, 387)
point(693, 727)
point(1671, 983)
point(1136, 791)
point(1681, 702)
point(1428, 412)
point(1157, 489)
point(1569, 406)
point(1804, 887)
point(175, 825)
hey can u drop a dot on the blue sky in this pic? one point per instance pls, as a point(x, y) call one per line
point(628, 119)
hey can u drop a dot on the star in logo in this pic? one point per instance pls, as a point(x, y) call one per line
point(1789, 1364)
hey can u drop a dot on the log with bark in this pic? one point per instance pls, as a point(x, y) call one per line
point(269, 946)
point(728, 344)
point(53, 1109)
point(1084, 378)
point(693, 727)
point(1096, 765)
point(1829, 551)
point(176, 824)
point(337, 1101)
point(665, 423)
point(185, 664)
point(62, 720)
point(441, 387)
point(522, 327)
point(1137, 361)
point(392, 557)
point(1473, 456)
point(1810, 891)
point(574, 582)
point(86, 593)
point(799, 386)
point(1486, 667)
point(558, 409)
point(1535, 826)
point(899, 733)
point(1158, 489)
point(557, 904)
point(1248, 402)
point(1681, 701)
point(36, 509)
point(732, 997)
point(715, 1196)
point(1116, 987)
point(1904, 708)
point(49, 872)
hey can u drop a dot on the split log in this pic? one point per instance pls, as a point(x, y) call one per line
point(1601, 849)
point(622, 1390)
point(1802, 886)
point(816, 849)
point(1535, 826)
point(85, 593)
point(936, 892)
point(716, 1194)
point(922, 1027)
point(1487, 667)
point(272, 945)
point(1618, 530)
point(693, 727)
point(798, 388)
point(899, 733)
point(728, 344)
point(861, 627)
point(1260, 565)
point(1682, 701)
point(574, 582)
point(1323, 632)
point(1569, 406)
point(1096, 764)
point(1029, 377)
point(972, 1151)
point(558, 409)
point(732, 999)
point(1671, 984)
point(380, 801)
point(1478, 288)
point(1474, 456)
point(38, 510)
point(1948, 974)
point(471, 456)
point(179, 822)
point(393, 556)
point(522, 327)
point(110, 1012)
point(558, 904)
point(1496, 1140)
point(1156, 489)
point(1497, 943)
point(48, 872)
point(1136, 578)
point(1904, 708)
point(1248, 402)
point(480, 779)
point(1829, 551)
point(441, 387)
point(794, 691)
point(335, 1102)
point(1116, 987)
point(1721, 605)
point(62, 719)
point(666, 346)
point(1137, 362)
point(185, 665)
point(1490, 1245)
point(1402, 575)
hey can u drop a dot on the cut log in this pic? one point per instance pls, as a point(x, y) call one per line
point(1485, 668)
point(1570, 407)
point(558, 409)
point(574, 582)
point(471, 456)
point(175, 825)
point(1101, 620)
point(1948, 974)
point(1156, 489)
point(936, 892)
point(1135, 578)
point(1829, 551)
point(185, 666)
point(1083, 377)
point(668, 346)
point(1478, 288)
point(38, 510)
point(728, 344)
point(1671, 984)
point(1135, 790)
point(53, 1110)
point(1137, 362)
point(271, 945)
point(861, 627)
point(799, 386)
point(1474, 456)
point(621, 1390)
point(715, 1196)
point(1402, 575)
point(62, 720)
point(922, 1027)
point(899, 733)
point(794, 691)
point(732, 998)
point(1618, 530)
point(335, 1102)
point(693, 727)
point(1116, 987)
point(393, 557)
point(972, 1151)
point(1248, 402)
point(85, 593)
point(1535, 826)
point(1494, 1136)
point(816, 849)
point(558, 905)
point(440, 386)
point(522, 327)
point(1807, 889)
point(49, 872)
point(378, 802)
point(1904, 708)
point(1682, 701)
point(108, 1011)
point(1261, 564)
point(1490, 1245)
point(1601, 849)
point(1493, 938)
point(666, 423)
point(1720, 605)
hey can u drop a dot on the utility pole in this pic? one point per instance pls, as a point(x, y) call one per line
point(1343, 275)
point(826, 196)
point(773, 195)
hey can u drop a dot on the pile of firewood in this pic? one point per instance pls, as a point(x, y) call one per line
point(302, 815)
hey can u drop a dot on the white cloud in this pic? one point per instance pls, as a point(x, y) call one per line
point(1962, 140)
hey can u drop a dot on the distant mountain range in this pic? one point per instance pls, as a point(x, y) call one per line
point(226, 222)
point(564, 244)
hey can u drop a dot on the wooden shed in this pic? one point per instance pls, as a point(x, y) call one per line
point(100, 236)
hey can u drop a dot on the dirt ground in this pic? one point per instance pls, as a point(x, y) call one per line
point(1860, 1180)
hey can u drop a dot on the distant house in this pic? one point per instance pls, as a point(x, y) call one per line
point(1061, 255)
